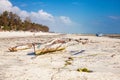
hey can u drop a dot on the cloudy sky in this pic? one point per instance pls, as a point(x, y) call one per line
point(69, 16)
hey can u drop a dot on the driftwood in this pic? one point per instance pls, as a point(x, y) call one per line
point(58, 45)
point(20, 47)
point(52, 48)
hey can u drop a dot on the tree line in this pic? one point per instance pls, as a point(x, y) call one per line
point(10, 21)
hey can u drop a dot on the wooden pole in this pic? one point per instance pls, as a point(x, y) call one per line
point(34, 47)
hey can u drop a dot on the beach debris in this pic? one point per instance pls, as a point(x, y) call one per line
point(57, 44)
point(69, 61)
point(48, 49)
point(82, 40)
point(84, 70)
point(112, 55)
point(67, 40)
point(20, 47)
point(70, 58)
point(53, 46)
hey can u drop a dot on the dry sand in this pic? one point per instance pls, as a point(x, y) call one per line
point(101, 55)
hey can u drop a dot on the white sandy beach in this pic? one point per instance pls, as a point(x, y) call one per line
point(101, 55)
point(8, 34)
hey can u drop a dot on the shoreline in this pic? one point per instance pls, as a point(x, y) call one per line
point(10, 34)
point(13, 34)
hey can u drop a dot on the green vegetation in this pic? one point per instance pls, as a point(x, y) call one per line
point(10, 21)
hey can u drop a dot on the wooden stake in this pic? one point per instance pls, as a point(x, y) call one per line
point(33, 46)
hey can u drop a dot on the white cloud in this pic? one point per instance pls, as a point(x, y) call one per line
point(42, 17)
point(56, 23)
point(5, 5)
point(45, 16)
point(65, 19)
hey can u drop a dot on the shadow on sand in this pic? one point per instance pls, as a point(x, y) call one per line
point(31, 54)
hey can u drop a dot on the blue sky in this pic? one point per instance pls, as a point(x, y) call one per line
point(74, 16)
